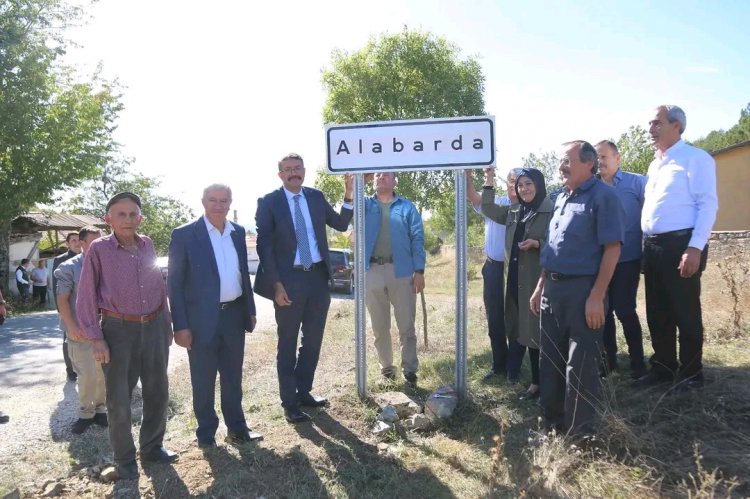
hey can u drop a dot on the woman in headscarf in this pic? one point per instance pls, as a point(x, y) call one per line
point(526, 233)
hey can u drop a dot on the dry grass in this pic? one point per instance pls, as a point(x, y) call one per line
point(693, 445)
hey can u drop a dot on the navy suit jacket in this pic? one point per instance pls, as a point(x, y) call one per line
point(277, 241)
point(193, 280)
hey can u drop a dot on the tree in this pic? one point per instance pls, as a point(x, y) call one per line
point(54, 130)
point(636, 152)
point(719, 139)
point(408, 75)
point(161, 213)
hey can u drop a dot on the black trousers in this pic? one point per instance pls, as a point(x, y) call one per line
point(622, 292)
point(223, 354)
point(493, 273)
point(673, 302)
point(310, 297)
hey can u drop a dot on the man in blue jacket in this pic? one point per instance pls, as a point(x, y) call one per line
point(212, 308)
point(395, 261)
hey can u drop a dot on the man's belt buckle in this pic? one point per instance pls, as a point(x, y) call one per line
point(224, 306)
point(145, 319)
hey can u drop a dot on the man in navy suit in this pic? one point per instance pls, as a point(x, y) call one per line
point(212, 308)
point(294, 271)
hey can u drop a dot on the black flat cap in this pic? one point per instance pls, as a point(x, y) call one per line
point(123, 195)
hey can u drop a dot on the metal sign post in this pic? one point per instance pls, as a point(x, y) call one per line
point(461, 283)
point(360, 314)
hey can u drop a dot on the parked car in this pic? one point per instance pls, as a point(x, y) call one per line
point(342, 265)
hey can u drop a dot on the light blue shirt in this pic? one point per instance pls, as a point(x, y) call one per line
point(407, 234)
point(630, 189)
point(494, 233)
point(314, 251)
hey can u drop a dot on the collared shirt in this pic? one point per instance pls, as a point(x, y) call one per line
point(494, 233)
point(311, 239)
point(118, 280)
point(67, 275)
point(407, 234)
point(681, 193)
point(583, 222)
point(630, 188)
point(227, 261)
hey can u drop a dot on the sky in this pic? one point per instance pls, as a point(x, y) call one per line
point(220, 91)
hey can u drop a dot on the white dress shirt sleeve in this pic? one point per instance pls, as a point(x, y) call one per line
point(702, 182)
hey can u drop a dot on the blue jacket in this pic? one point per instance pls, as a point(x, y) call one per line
point(407, 235)
point(193, 280)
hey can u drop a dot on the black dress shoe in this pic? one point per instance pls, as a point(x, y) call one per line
point(100, 418)
point(389, 375)
point(159, 455)
point(310, 400)
point(243, 437)
point(295, 415)
point(207, 444)
point(651, 378)
point(127, 471)
point(411, 378)
point(638, 370)
point(687, 384)
point(489, 375)
point(81, 425)
point(529, 395)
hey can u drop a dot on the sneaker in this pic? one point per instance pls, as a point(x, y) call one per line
point(100, 418)
point(81, 425)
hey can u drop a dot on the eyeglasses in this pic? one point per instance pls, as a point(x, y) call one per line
point(295, 169)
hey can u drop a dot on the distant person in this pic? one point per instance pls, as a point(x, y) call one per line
point(623, 288)
point(39, 280)
point(678, 214)
point(582, 250)
point(123, 310)
point(493, 274)
point(294, 272)
point(23, 279)
point(395, 262)
point(212, 306)
point(74, 248)
point(525, 236)
point(91, 388)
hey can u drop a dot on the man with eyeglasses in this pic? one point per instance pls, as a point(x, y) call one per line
point(123, 310)
point(293, 272)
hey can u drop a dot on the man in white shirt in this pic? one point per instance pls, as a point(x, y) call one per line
point(212, 307)
point(678, 214)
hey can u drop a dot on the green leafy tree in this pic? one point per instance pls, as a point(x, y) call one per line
point(161, 213)
point(636, 152)
point(54, 130)
point(408, 75)
point(549, 164)
point(719, 139)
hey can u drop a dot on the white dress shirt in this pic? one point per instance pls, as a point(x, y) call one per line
point(494, 233)
point(227, 261)
point(314, 251)
point(681, 193)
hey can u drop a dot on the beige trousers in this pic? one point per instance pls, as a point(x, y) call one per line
point(383, 291)
point(92, 393)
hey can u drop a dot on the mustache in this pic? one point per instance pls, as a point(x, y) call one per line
point(296, 176)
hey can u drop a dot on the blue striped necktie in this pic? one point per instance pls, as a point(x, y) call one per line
point(300, 230)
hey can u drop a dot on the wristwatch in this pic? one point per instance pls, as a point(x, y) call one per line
point(348, 200)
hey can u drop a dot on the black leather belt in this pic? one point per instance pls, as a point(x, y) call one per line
point(492, 260)
point(315, 265)
point(226, 304)
point(381, 260)
point(670, 235)
point(557, 276)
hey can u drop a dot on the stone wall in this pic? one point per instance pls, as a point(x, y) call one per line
point(724, 244)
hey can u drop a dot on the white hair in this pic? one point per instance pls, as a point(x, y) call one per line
point(675, 113)
point(217, 187)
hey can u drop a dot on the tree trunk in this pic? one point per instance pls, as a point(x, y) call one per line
point(4, 256)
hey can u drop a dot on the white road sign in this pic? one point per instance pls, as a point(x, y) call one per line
point(430, 144)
